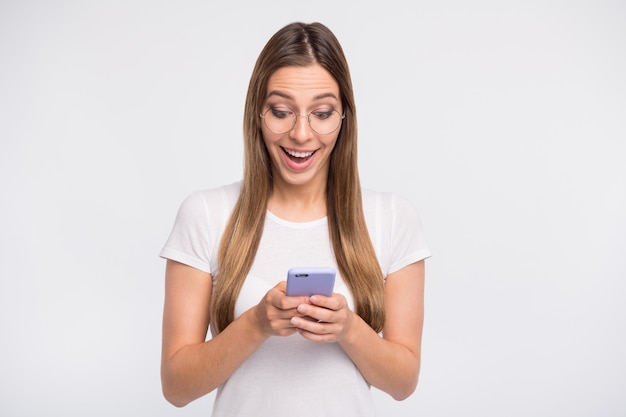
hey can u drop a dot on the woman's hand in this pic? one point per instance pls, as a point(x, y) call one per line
point(323, 319)
point(275, 311)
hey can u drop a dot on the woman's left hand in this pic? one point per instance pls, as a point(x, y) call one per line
point(327, 319)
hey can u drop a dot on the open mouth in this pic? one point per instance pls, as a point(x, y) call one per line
point(298, 157)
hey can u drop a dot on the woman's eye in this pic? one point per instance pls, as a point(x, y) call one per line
point(322, 115)
point(281, 114)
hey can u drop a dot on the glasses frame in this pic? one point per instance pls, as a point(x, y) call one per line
point(308, 119)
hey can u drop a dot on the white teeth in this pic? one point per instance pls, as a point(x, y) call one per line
point(299, 154)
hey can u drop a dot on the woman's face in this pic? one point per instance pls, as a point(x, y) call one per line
point(299, 154)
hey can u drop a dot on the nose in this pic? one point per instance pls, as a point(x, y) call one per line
point(301, 131)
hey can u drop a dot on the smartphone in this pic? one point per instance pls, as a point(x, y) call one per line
point(309, 281)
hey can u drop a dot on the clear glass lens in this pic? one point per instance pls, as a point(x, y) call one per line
point(322, 122)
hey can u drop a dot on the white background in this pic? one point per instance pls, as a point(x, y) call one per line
point(504, 122)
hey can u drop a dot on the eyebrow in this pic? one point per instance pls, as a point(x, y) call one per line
point(288, 97)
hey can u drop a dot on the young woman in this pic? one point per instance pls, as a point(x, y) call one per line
point(299, 204)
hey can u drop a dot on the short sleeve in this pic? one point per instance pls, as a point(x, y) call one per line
point(395, 229)
point(189, 241)
point(408, 244)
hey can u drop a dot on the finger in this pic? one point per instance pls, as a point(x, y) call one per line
point(282, 324)
point(312, 326)
point(284, 331)
point(281, 286)
point(336, 302)
point(281, 301)
point(318, 314)
point(317, 338)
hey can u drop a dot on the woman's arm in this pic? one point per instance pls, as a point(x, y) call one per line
point(192, 367)
point(390, 363)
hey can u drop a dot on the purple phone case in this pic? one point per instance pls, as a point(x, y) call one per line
point(309, 281)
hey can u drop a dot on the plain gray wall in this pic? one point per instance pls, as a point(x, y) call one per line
point(504, 122)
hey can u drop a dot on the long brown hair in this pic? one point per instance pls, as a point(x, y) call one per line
point(300, 44)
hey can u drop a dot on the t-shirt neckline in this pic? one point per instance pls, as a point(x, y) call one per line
point(299, 225)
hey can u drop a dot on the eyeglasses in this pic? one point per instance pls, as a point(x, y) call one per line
point(322, 122)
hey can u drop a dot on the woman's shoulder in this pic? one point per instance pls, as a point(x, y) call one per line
point(216, 202)
point(227, 193)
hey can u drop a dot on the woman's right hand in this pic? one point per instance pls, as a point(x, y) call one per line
point(275, 311)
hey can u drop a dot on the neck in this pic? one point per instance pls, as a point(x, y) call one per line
point(298, 203)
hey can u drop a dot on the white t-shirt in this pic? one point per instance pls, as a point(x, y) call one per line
point(291, 376)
